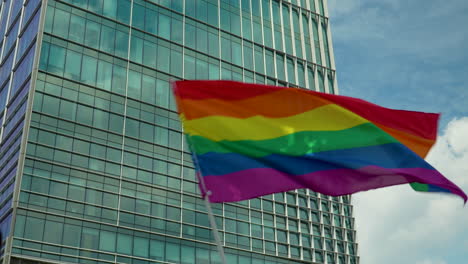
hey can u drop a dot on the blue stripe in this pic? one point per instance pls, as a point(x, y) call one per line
point(392, 155)
point(434, 188)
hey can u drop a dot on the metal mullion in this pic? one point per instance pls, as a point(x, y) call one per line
point(291, 31)
point(125, 117)
point(314, 55)
point(322, 53)
point(330, 51)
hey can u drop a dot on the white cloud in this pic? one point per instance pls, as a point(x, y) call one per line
point(450, 154)
point(457, 137)
point(399, 225)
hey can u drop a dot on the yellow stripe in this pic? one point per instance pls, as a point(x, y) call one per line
point(326, 118)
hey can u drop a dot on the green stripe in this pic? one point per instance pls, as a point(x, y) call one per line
point(297, 144)
point(421, 187)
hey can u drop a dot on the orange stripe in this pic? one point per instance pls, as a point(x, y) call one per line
point(416, 123)
point(281, 103)
point(418, 145)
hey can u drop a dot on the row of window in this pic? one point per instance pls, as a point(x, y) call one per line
point(111, 140)
point(159, 21)
point(69, 109)
point(109, 102)
point(132, 218)
point(65, 175)
point(93, 196)
point(204, 10)
point(98, 165)
point(112, 152)
point(173, 183)
point(114, 9)
point(254, 203)
point(108, 121)
point(84, 178)
point(136, 221)
point(253, 29)
point(159, 225)
point(242, 229)
point(162, 55)
point(112, 77)
point(162, 168)
point(108, 146)
point(117, 10)
point(106, 75)
point(93, 180)
point(104, 238)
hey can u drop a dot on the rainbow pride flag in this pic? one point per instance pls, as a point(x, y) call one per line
point(250, 140)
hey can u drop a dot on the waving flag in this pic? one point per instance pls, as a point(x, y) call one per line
point(251, 140)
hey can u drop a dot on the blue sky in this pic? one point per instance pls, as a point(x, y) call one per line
point(410, 55)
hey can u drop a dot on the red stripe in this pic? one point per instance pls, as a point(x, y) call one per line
point(224, 90)
point(416, 123)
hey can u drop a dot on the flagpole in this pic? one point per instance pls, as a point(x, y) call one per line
point(214, 228)
point(207, 194)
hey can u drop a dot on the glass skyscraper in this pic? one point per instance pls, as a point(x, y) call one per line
point(93, 164)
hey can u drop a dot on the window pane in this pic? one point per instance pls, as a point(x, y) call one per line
point(92, 34)
point(173, 252)
point(149, 53)
point(124, 244)
point(61, 21)
point(107, 39)
point(56, 61)
point(140, 247)
point(77, 28)
point(157, 250)
point(90, 238)
point(104, 75)
point(259, 64)
point(73, 65)
point(34, 228)
point(164, 27)
point(88, 70)
point(72, 236)
point(107, 241)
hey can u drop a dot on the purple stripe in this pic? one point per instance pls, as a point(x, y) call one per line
point(252, 183)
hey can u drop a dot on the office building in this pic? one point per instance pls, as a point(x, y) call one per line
point(93, 164)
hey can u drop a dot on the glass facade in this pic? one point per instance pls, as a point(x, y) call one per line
point(19, 27)
point(103, 174)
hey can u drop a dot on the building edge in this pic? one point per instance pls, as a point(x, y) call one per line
point(24, 140)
